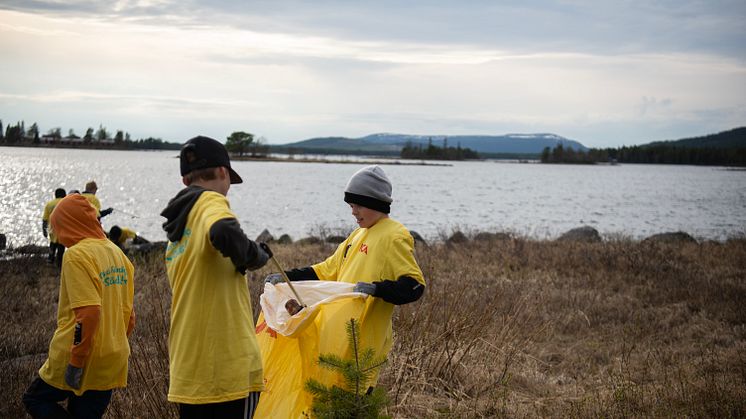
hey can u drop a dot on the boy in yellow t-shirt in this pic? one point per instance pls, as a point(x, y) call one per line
point(89, 351)
point(90, 194)
point(215, 366)
point(56, 250)
point(378, 257)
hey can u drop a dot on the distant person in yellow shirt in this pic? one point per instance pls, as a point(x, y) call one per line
point(215, 366)
point(56, 250)
point(90, 194)
point(378, 257)
point(123, 237)
point(89, 351)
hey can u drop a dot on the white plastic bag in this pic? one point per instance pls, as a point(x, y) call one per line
point(313, 293)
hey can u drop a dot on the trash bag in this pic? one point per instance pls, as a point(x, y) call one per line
point(291, 345)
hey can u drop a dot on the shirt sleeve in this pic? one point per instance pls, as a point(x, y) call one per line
point(402, 261)
point(328, 270)
point(81, 281)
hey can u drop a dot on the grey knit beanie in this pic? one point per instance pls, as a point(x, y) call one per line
point(371, 188)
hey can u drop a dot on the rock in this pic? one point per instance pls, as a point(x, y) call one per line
point(30, 249)
point(284, 239)
point(309, 240)
point(265, 237)
point(484, 236)
point(676, 237)
point(457, 238)
point(586, 234)
point(145, 248)
point(3, 241)
point(418, 239)
point(335, 239)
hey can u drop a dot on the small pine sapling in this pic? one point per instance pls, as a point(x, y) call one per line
point(355, 400)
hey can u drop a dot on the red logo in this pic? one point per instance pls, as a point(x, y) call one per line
point(364, 249)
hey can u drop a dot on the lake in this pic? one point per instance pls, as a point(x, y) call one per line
point(301, 199)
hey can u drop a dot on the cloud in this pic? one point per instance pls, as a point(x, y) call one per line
point(292, 70)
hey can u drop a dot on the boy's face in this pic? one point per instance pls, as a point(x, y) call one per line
point(365, 217)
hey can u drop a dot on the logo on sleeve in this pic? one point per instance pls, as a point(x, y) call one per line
point(364, 248)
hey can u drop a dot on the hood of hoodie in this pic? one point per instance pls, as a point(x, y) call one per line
point(75, 219)
point(177, 211)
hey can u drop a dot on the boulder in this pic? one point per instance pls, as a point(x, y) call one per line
point(418, 239)
point(676, 237)
point(586, 234)
point(457, 238)
point(485, 237)
point(264, 237)
point(284, 239)
point(309, 240)
point(335, 239)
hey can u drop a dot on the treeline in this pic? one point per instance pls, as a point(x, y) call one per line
point(651, 154)
point(433, 152)
point(560, 154)
point(19, 135)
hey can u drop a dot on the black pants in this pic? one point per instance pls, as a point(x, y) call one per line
point(234, 409)
point(56, 251)
point(43, 401)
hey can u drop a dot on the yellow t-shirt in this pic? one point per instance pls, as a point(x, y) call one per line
point(48, 208)
point(384, 251)
point(94, 201)
point(94, 272)
point(127, 234)
point(213, 353)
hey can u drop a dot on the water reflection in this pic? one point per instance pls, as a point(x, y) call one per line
point(301, 198)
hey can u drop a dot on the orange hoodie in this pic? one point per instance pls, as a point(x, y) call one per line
point(75, 219)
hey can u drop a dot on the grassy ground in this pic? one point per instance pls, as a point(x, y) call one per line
point(507, 328)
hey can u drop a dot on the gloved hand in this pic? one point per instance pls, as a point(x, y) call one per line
point(365, 288)
point(274, 278)
point(73, 375)
point(267, 250)
point(105, 212)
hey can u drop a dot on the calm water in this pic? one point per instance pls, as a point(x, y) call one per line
point(302, 198)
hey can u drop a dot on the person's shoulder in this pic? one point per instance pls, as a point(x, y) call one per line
point(212, 197)
point(395, 228)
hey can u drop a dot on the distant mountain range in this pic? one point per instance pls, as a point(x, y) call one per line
point(735, 138)
point(391, 144)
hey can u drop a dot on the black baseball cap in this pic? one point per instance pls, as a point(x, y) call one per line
point(204, 152)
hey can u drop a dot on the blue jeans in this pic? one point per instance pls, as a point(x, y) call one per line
point(43, 401)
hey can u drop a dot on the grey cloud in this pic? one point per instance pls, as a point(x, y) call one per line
point(578, 26)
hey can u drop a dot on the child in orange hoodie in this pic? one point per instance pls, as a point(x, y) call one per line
point(89, 351)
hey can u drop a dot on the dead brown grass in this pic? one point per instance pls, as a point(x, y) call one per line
point(507, 328)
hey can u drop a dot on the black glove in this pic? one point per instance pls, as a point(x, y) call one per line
point(267, 250)
point(73, 375)
point(105, 212)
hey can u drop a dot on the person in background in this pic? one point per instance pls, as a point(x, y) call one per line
point(123, 236)
point(215, 365)
point(89, 351)
point(378, 257)
point(56, 250)
point(90, 194)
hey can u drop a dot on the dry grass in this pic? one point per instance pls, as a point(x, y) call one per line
point(509, 328)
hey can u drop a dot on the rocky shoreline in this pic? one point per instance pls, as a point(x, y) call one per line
point(583, 234)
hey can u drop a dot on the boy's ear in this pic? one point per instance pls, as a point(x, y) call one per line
point(185, 180)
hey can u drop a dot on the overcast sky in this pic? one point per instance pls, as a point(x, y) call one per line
point(602, 73)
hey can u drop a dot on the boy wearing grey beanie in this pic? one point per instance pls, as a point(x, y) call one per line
point(378, 257)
